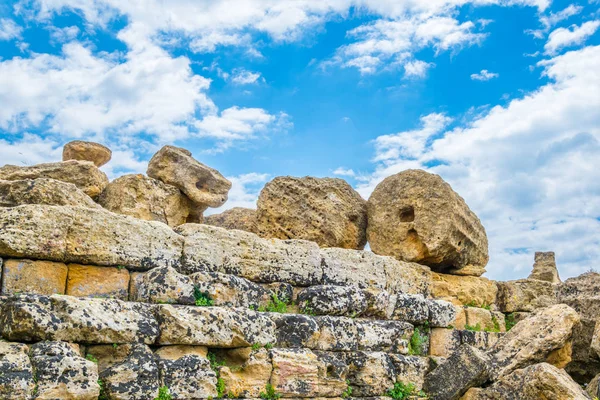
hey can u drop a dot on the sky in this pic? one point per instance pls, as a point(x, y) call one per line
point(499, 97)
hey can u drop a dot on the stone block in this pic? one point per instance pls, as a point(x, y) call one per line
point(91, 281)
point(35, 277)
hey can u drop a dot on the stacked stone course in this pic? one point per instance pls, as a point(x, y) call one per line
point(135, 300)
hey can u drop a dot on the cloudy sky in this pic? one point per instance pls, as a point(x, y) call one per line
point(499, 97)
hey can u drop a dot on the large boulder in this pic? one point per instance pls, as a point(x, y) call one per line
point(470, 290)
point(83, 174)
point(539, 381)
point(544, 267)
point(43, 191)
point(146, 198)
point(61, 372)
point(204, 186)
point(533, 339)
point(87, 236)
point(416, 216)
point(525, 295)
point(87, 151)
point(324, 210)
point(240, 218)
point(16, 373)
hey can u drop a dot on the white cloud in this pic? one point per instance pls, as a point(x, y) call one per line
point(344, 172)
point(242, 76)
point(65, 34)
point(565, 37)
point(29, 149)
point(528, 169)
point(244, 192)
point(484, 75)
point(551, 19)
point(417, 68)
point(9, 29)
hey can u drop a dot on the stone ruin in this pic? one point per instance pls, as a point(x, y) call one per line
point(123, 290)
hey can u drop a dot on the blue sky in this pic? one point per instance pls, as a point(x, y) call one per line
point(499, 97)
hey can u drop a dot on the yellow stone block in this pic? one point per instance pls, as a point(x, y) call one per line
point(91, 281)
point(29, 276)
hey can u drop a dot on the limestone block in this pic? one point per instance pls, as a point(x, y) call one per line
point(36, 277)
point(481, 340)
point(337, 334)
point(544, 267)
point(411, 308)
point(162, 285)
point(188, 377)
point(87, 151)
point(525, 295)
point(231, 290)
point(415, 216)
point(91, 281)
point(296, 330)
point(240, 218)
point(83, 174)
point(388, 336)
point(410, 369)
point(466, 289)
point(43, 191)
point(479, 317)
point(370, 373)
point(333, 300)
point(443, 342)
point(246, 372)
point(441, 313)
point(16, 373)
point(596, 339)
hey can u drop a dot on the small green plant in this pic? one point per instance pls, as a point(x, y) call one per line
point(510, 321)
point(402, 391)
point(214, 363)
point(474, 328)
point(307, 310)
point(90, 357)
point(486, 306)
point(276, 305)
point(220, 388)
point(103, 395)
point(256, 346)
point(164, 394)
point(202, 298)
point(472, 303)
point(115, 346)
point(269, 393)
point(416, 343)
point(496, 323)
point(269, 346)
point(348, 392)
point(120, 267)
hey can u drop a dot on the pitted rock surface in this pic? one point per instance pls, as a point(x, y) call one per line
point(16, 373)
point(416, 216)
point(333, 300)
point(247, 372)
point(83, 174)
point(544, 268)
point(525, 295)
point(87, 151)
point(145, 198)
point(203, 185)
point(327, 211)
point(240, 218)
point(188, 377)
point(43, 191)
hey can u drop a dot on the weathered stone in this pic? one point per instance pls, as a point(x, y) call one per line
point(134, 377)
point(479, 318)
point(83, 174)
point(16, 374)
point(296, 330)
point(333, 300)
point(43, 191)
point(585, 363)
point(188, 377)
point(337, 334)
point(240, 218)
point(380, 303)
point(87, 151)
point(441, 313)
point(177, 351)
point(108, 355)
point(246, 373)
point(595, 345)
point(323, 210)
point(389, 336)
point(302, 373)
point(416, 216)
point(593, 388)
point(162, 285)
point(411, 308)
point(540, 381)
point(443, 342)
point(230, 290)
point(370, 373)
point(410, 369)
point(203, 185)
point(213, 249)
point(466, 289)
point(465, 368)
point(561, 357)
point(36, 277)
point(481, 340)
point(525, 295)
point(214, 326)
point(544, 267)
point(499, 321)
point(532, 340)
point(33, 318)
point(90, 281)
point(145, 198)
point(86, 236)
point(61, 372)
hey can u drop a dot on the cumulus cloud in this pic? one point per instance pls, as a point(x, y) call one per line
point(242, 76)
point(416, 68)
point(568, 37)
point(344, 172)
point(551, 19)
point(529, 169)
point(244, 192)
point(484, 75)
point(9, 29)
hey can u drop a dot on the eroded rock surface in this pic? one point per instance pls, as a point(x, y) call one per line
point(240, 218)
point(87, 151)
point(145, 198)
point(416, 216)
point(16, 373)
point(203, 185)
point(36, 277)
point(83, 174)
point(544, 267)
point(43, 191)
point(525, 295)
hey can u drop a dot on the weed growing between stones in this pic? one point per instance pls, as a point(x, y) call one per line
point(269, 393)
point(257, 346)
point(220, 388)
point(91, 358)
point(103, 395)
point(276, 305)
point(510, 321)
point(348, 392)
point(473, 303)
point(202, 299)
point(416, 343)
point(402, 391)
point(305, 309)
point(496, 328)
point(474, 328)
point(164, 394)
